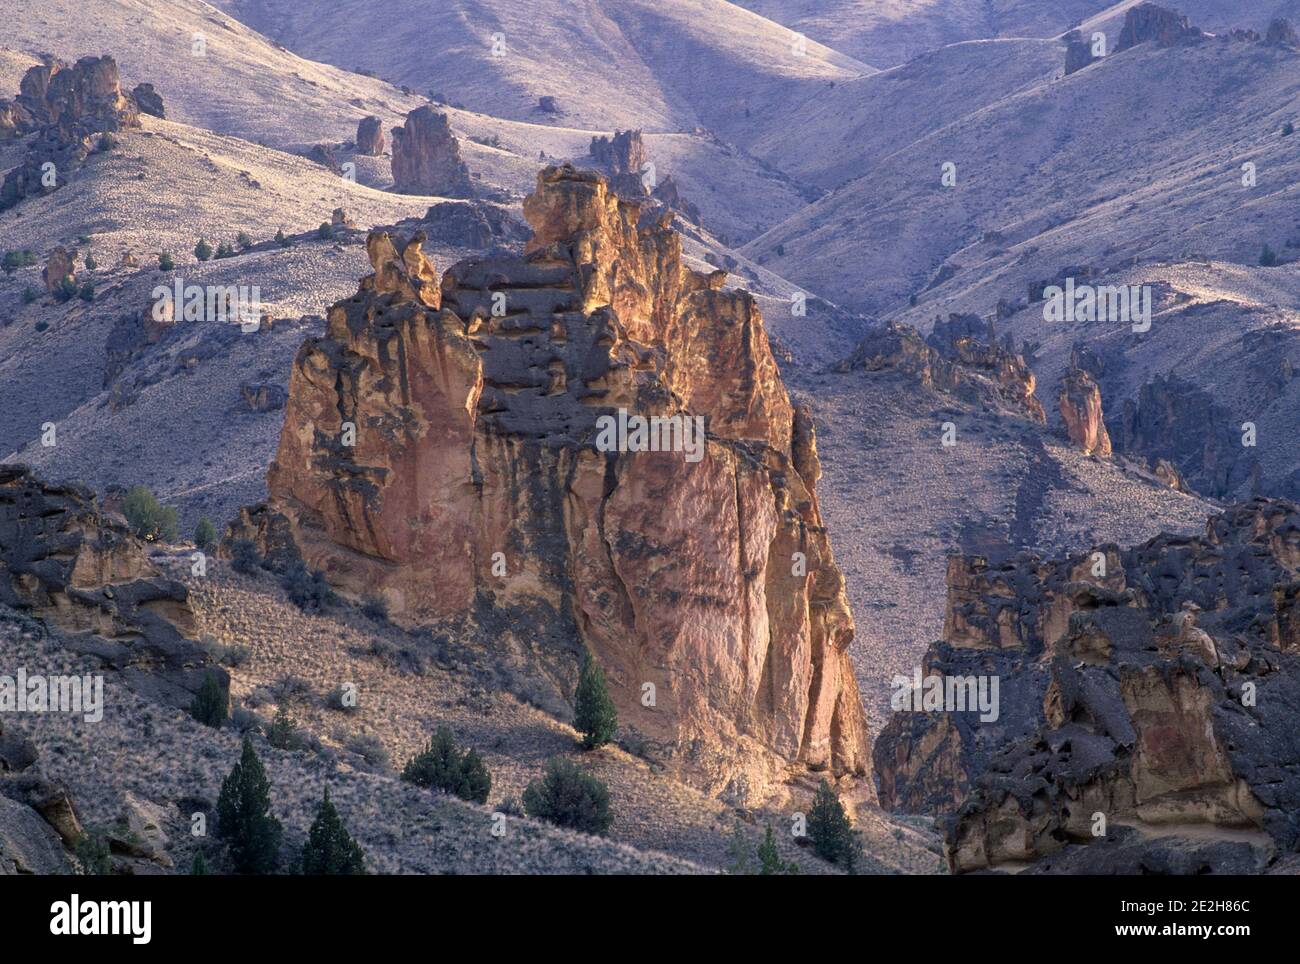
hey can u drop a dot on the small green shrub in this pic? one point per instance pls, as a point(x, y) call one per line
point(149, 518)
point(569, 796)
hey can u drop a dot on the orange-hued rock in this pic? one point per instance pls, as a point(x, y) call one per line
point(1080, 402)
point(701, 579)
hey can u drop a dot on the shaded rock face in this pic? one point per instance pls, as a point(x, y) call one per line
point(477, 482)
point(475, 224)
point(1181, 424)
point(1078, 52)
point(426, 157)
point(88, 575)
point(1151, 22)
point(370, 136)
point(149, 100)
point(1282, 34)
point(1080, 403)
point(1150, 685)
point(72, 110)
point(980, 372)
point(622, 158)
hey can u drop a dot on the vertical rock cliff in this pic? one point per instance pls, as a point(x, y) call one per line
point(696, 568)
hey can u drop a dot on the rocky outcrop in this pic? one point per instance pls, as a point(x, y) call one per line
point(1149, 687)
point(621, 158)
point(472, 224)
point(483, 480)
point(1282, 34)
point(370, 136)
point(1149, 22)
point(1078, 52)
point(1079, 398)
point(1174, 421)
point(149, 100)
point(85, 573)
point(262, 396)
point(426, 157)
point(73, 111)
point(60, 267)
point(975, 371)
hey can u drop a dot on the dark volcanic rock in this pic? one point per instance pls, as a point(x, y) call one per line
point(1150, 686)
point(471, 224)
point(1078, 52)
point(67, 563)
point(149, 100)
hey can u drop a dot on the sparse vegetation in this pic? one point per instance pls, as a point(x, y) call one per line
point(91, 851)
point(65, 290)
point(30, 294)
point(165, 262)
point(205, 534)
point(13, 260)
point(281, 240)
point(283, 732)
point(244, 558)
point(87, 292)
point(325, 232)
point(569, 796)
point(203, 250)
point(308, 589)
point(442, 766)
point(243, 240)
point(1288, 129)
point(375, 608)
point(211, 705)
point(244, 817)
point(149, 518)
point(1268, 258)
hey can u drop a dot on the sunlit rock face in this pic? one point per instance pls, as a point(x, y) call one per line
point(496, 465)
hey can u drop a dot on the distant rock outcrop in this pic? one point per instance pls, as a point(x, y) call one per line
point(1078, 52)
point(65, 562)
point(1149, 686)
point(1174, 420)
point(1152, 22)
point(487, 478)
point(60, 267)
point(1282, 34)
point(73, 110)
point(952, 360)
point(1080, 403)
point(622, 158)
point(370, 136)
point(426, 157)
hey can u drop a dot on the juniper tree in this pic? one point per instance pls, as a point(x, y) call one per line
point(442, 766)
point(149, 518)
point(569, 796)
point(211, 704)
point(205, 534)
point(244, 819)
point(594, 714)
point(769, 858)
point(199, 868)
point(833, 837)
point(203, 250)
point(330, 849)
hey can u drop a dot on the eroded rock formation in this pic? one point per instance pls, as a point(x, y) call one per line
point(1152, 686)
point(370, 136)
point(72, 110)
point(1152, 22)
point(622, 158)
point(426, 157)
point(149, 100)
point(1079, 399)
point(699, 575)
point(84, 572)
point(952, 360)
point(1078, 52)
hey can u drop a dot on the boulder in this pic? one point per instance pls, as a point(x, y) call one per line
point(149, 100)
point(1282, 34)
point(28, 845)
